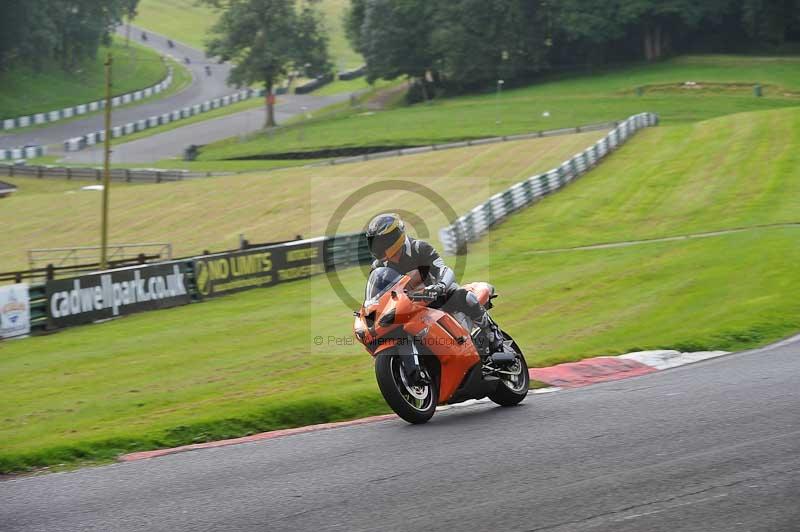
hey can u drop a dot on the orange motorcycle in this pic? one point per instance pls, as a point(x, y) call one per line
point(425, 357)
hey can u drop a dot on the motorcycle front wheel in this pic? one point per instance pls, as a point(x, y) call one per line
point(513, 387)
point(414, 403)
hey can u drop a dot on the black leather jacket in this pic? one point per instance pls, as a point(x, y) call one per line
point(418, 254)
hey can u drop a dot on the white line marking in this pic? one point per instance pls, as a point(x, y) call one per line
point(473, 402)
point(670, 359)
point(550, 389)
point(611, 245)
point(673, 506)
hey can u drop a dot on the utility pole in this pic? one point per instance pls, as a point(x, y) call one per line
point(106, 168)
point(500, 83)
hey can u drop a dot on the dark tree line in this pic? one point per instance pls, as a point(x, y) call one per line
point(35, 32)
point(466, 43)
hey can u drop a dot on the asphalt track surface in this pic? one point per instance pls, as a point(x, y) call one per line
point(713, 446)
point(202, 88)
point(172, 143)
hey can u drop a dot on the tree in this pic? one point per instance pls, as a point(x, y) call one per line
point(312, 42)
point(477, 41)
point(68, 31)
point(14, 36)
point(130, 10)
point(657, 19)
point(770, 20)
point(266, 40)
point(396, 38)
point(83, 25)
point(657, 23)
point(353, 22)
point(460, 42)
point(587, 20)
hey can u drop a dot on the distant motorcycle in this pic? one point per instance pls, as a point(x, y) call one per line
point(425, 357)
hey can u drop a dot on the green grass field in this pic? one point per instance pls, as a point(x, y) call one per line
point(211, 213)
point(182, 78)
point(570, 101)
point(247, 363)
point(190, 23)
point(26, 91)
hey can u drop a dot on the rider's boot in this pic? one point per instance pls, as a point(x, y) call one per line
point(491, 333)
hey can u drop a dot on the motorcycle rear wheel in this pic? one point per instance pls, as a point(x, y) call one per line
point(511, 392)
point(415, 404)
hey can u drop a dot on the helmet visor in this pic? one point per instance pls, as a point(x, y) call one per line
point(385, 246)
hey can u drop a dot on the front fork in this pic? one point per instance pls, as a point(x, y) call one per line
point(410, 364)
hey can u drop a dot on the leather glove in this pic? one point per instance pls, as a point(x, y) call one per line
point(435, 290)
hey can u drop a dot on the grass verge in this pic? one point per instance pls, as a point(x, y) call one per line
point(182, 78)
point(559, 102)
point(26, 91)
point(266, 207)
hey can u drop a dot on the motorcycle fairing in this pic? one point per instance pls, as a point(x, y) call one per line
point(435, 333)
point(442, 335)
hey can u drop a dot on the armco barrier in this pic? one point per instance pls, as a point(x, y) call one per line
point(38, 306)
point(90, 139)
point(314, 84)
point(96, 174)
point(353, 73)
point(470, 227)
point(78, 110)
point(342, 251)
point(106, 294)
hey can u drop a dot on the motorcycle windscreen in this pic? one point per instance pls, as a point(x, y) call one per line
point(380, 281)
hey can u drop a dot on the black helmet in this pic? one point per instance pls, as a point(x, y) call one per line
point(386, 234)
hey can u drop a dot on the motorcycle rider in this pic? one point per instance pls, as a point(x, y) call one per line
point(392, 247)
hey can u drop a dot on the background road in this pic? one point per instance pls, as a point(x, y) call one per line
point(203, 88)
point(709, 447)
point(172, 143)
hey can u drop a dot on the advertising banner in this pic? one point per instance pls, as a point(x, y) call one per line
point(227, 273)
point(115, 293)
point(15, 311)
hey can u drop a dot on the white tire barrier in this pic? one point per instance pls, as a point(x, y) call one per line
point(28, 152)
point(79, 143)
point(472, 226)
point(78, 110)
